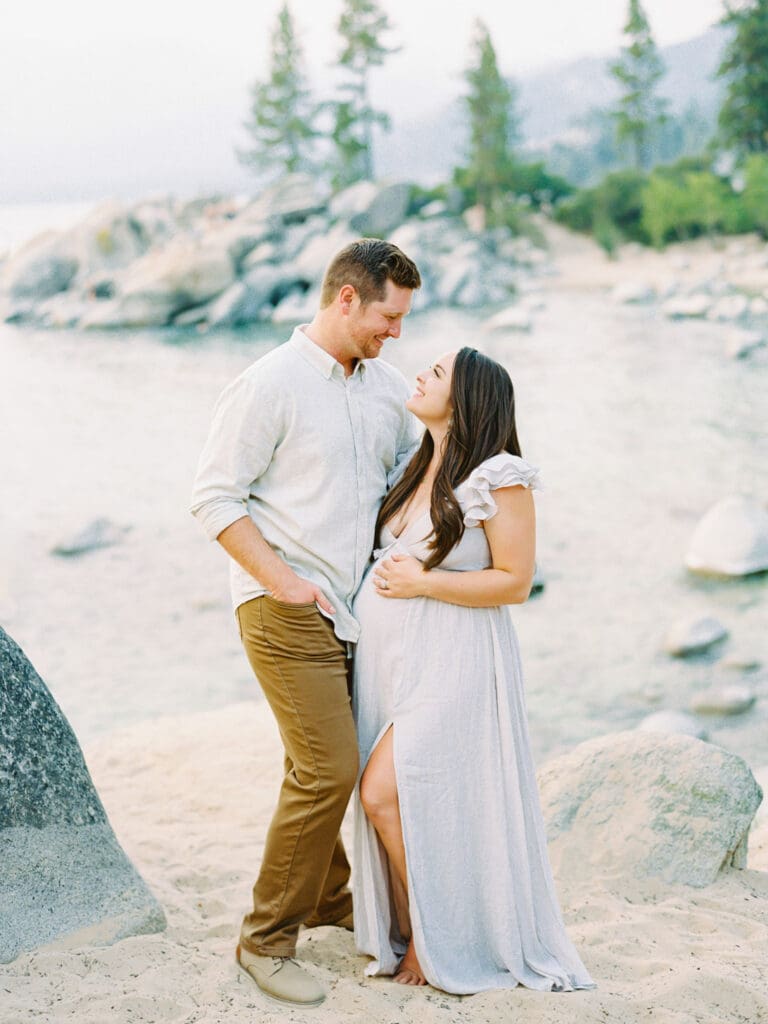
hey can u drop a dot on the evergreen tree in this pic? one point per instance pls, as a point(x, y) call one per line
point(744, 114)
point(281, 117)
point(641, 111)
point(493, 129)
point(361, 26)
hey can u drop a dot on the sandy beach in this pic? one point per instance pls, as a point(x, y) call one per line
point(190, 799)
point(190, 791)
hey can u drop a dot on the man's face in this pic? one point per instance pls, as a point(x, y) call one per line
point(371, 325)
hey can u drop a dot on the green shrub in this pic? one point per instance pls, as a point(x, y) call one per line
point(679, 206)
point(754, 198)
point(535, 181)
point(675, 202)
point(615, 202)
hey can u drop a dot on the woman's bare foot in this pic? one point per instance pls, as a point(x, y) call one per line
point(409, 972)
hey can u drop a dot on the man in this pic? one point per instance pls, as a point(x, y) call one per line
point(289, 483)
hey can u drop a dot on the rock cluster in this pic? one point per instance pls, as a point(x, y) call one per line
point(729, 288)
point(232, 262)
point(63, 873)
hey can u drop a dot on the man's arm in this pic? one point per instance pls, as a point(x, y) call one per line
point(243, 542)
point(245, 431)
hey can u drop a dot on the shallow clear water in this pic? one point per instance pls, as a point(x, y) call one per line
point(639, 425)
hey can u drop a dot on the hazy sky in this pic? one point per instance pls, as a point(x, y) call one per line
point(87, 85)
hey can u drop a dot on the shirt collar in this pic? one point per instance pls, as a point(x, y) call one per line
point(318, 357)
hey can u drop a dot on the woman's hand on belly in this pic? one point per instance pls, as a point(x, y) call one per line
point(400, 576)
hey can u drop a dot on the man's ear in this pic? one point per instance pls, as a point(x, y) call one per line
point(346, 295)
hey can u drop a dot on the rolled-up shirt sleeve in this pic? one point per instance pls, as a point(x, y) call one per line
point(246, 429)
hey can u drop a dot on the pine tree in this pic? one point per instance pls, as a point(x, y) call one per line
point(744, 114)
point(493, 129)
point(361, 26)
point(281, 117)
point(641, 110)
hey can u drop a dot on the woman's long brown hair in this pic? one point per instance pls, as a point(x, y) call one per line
point(482, 425)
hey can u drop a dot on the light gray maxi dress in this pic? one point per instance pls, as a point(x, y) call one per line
point(483, 907)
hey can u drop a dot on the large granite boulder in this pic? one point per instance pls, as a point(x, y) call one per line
point(109, 238)
point(352, 200)
point(240, 236)
point(636, 805)
point(63, 872)
point(292, 200)
point(731, 539)
point(161, 284)
point(46, 265)
point(386, 211)
point(297, 308)
point(315, 256)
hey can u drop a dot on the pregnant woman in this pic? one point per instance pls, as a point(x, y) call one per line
point(452, 881)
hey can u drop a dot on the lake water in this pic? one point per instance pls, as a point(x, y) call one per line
point(638, 424)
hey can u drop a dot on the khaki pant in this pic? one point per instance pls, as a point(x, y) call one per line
point(303, 671)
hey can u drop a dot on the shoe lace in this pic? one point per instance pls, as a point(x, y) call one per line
point(280, 961)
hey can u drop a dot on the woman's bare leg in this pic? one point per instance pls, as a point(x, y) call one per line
point(378, 795)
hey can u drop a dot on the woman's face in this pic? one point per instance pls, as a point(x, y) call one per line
point(431, 401)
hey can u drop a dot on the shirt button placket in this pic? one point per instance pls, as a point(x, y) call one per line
point(355, 405)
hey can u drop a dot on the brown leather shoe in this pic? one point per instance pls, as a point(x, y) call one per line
point(281, 978)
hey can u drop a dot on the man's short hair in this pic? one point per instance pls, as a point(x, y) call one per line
point(367, 265)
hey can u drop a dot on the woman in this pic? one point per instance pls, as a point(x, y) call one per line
point(452, 882)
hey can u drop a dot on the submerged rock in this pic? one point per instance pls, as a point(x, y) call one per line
point(729, 307)
point(539, 581)
point(63, 871)
point(694, 635)
point(724, 700)
point(741, 661)
point(101, 533)
point(673, 723)
point(633, 292)
point(513, 318)
point(740, 343)
point(731, 539)
point(687, 306)
point(645, 805)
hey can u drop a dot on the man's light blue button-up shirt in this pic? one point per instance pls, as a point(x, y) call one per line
point(306, 452)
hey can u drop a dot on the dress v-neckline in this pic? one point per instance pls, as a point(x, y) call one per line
point(410, 523)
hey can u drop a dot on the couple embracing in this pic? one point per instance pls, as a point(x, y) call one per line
point(315, 459)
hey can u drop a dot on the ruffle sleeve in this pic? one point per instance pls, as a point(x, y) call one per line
point(502, 470)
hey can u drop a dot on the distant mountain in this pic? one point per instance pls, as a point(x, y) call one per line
point(552, 104)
